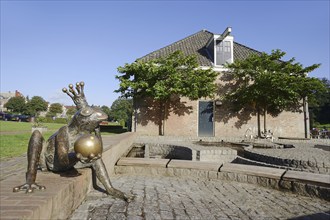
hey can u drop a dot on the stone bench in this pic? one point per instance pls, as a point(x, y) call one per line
point(199, 165)
point(310, 178)
point(308, 184)
point(133, 161)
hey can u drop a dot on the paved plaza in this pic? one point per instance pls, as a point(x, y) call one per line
point(187, 198)
point(161, 197)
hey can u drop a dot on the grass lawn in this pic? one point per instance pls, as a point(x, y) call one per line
point(14, 136)
point(15, 139)
point(24, 126)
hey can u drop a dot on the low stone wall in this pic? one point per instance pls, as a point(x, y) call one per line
point(111, 155)
point(315, 185)
point(298, 165)
point(183, 152)
point(224, 155)
point(242, 160)
point(154, 150)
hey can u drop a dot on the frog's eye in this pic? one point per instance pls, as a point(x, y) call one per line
point(87, 111)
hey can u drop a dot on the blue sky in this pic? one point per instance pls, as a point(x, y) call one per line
point(45, 45)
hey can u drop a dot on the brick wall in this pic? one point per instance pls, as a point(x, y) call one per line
point(182, 120)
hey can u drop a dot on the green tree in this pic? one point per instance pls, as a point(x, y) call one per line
point(16, 104)
point(165, 77)
point(71, 111)
point(36, 105)
point(121, 110)
point(268, 85)
point(320, 110)
point(54, 109)
point(106, 110)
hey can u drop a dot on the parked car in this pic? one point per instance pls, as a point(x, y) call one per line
point(5, 116)
point(10, 117)
point(20, 118)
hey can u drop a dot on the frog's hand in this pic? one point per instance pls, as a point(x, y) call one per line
point(33, 155)
point(98, 135)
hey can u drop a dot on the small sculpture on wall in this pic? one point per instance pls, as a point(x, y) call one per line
point(78, 144)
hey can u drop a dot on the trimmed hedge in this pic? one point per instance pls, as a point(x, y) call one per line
point(51, 120)
point(117, 129)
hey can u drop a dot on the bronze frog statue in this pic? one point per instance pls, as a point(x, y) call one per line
point(76, 145)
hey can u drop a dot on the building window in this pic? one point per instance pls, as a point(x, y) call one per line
point(223, 52)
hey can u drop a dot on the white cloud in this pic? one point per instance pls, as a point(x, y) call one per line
point(60, 97)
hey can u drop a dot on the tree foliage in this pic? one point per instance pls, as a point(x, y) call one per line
point(320, 109)
point(36, 105)
point(16, 104)
point(54, 109)
point(161, 78)
point(71, 111)
point(106, 110)
point(268, 85)
point(121, 110)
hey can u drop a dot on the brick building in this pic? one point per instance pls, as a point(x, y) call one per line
point(207, 117)
point(5, 96)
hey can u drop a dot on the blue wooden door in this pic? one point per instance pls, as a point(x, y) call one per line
point(205, 119)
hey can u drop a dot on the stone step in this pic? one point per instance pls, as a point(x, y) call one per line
point(131, 161)
point(200, 165)
point(310, 178)
point(253, 170)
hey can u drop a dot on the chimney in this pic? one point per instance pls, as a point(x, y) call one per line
point(17, 93)
point(226, 33)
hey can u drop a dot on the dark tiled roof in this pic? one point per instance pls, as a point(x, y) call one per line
point(196, 44)
point(241, 52)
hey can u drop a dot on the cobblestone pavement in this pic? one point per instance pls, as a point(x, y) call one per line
point(186, 198)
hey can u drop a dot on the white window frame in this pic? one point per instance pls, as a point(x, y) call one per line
point(227, 38)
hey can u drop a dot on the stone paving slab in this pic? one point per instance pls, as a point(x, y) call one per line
point(182, 198)
point(200, 165)
point(310, 178)
point(128, 161)
point(253, 170)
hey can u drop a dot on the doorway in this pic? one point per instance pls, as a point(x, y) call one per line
point(206, 119)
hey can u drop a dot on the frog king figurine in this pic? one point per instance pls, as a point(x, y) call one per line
point(73, 145)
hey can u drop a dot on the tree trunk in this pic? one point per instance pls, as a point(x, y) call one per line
point(305, 109)
point(161, 116)
point(161, 121)
point(164, 115)
point(265, 120)
point(258, 122)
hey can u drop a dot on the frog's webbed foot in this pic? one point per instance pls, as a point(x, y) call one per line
point(29, 188)
point(129, 198)
point(120, 195)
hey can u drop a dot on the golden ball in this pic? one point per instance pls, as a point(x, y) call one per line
point(88, 146)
